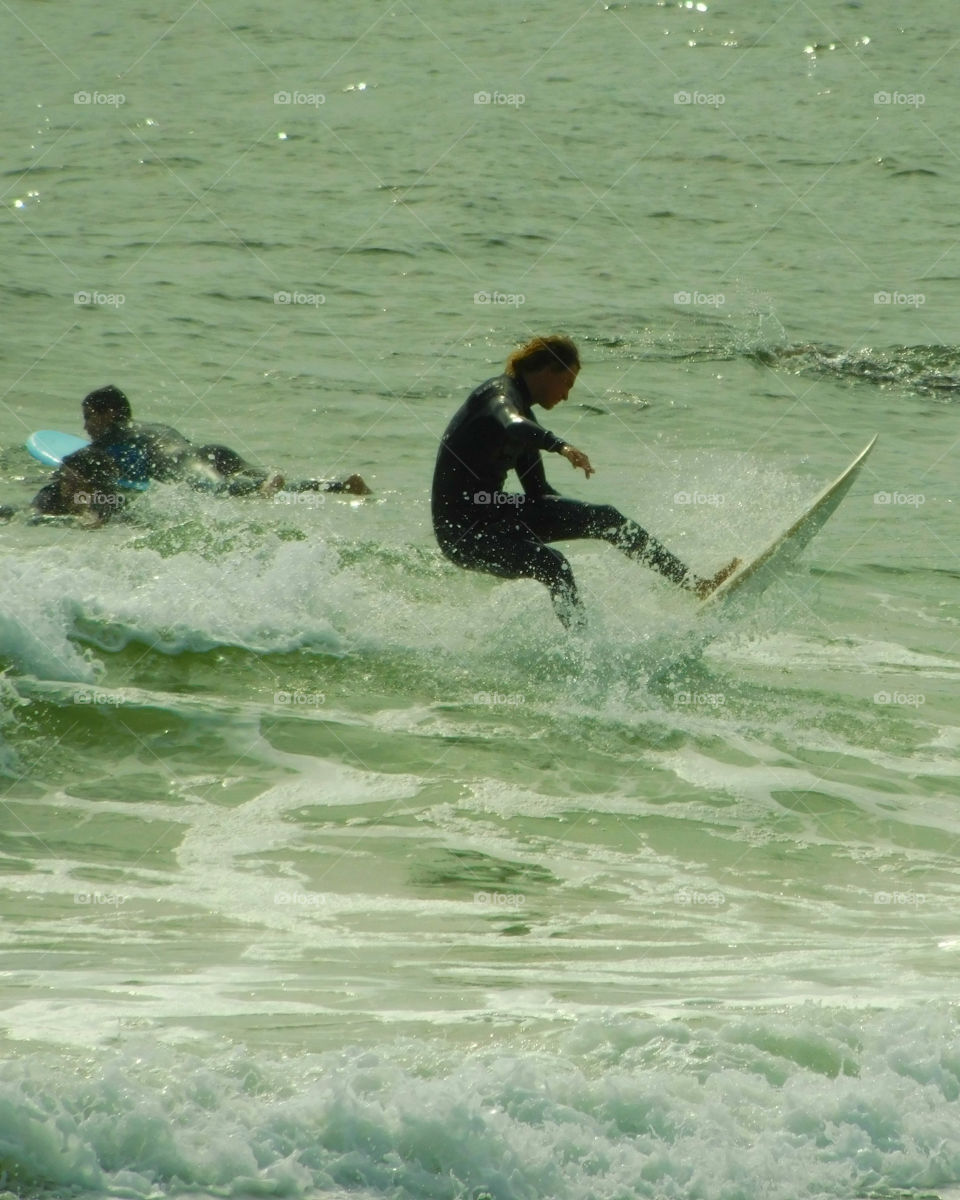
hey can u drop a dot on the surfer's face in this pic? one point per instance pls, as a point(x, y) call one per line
point(548, 387)
point(97, 423)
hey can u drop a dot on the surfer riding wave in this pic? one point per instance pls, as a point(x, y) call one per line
point(480, 527)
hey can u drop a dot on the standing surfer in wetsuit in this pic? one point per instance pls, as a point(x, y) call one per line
point(483, 528)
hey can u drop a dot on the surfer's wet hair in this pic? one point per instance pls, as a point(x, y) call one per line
point(554, 351)
point(108, 399)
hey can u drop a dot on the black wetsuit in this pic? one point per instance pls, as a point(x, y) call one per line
point(85, 484)
point(481, 527)
point(144, 452)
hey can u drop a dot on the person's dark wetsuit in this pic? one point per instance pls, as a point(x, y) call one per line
point(85, 484)
point(221, 469)
point(481, 527)
point(144, 452)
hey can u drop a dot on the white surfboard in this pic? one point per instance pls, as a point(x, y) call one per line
point(757, 575)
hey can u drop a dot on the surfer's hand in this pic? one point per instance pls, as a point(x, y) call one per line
point(577, 458)
point(705, 586)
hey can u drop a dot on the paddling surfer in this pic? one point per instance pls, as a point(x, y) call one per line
point(144, 452)
point(480, 527)
point(140, 451)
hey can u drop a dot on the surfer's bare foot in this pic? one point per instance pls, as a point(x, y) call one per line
point(356, 485)
point(706, 586)
point(273, 483)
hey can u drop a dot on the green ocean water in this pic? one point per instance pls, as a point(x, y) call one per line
point(330, 870)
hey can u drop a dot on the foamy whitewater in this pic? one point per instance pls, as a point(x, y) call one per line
point(328, 870)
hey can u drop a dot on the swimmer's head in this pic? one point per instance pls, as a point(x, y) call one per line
point(105, 407)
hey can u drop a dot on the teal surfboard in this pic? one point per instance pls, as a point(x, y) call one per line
point(51, 448)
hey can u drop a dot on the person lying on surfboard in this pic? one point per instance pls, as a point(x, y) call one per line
point(480, 527)
point(144, 452)
point(85, 485)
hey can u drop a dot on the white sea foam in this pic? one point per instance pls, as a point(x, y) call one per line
point(825, 1103)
